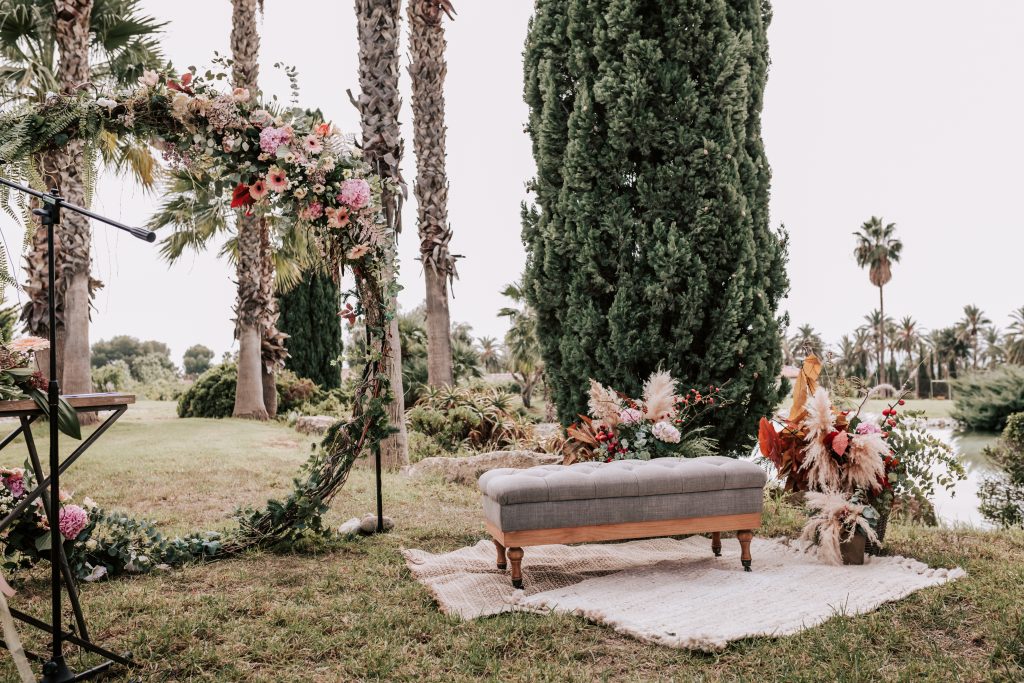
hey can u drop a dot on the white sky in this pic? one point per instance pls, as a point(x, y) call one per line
point(908, 110)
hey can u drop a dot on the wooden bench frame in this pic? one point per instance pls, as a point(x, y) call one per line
point(510, 544)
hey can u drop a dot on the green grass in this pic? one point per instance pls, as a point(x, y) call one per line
point(932, 408)
point(352, 612)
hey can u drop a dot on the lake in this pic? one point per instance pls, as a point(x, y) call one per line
point(960, 505)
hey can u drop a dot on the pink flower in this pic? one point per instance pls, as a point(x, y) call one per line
point(664, 431)
point(73, 519)
point(841, 443)
point(354, 193)
point(240, 94)
point(312, 144)
point(630, 416)
point(150, 78)
point(312, 211)
point(868, 428)
point(277, 179)
point(15, 482)
point(258, 190)
point(357, 252)
point(271, 138)
point(26, 344)
point(261, 118)
point(337, 217)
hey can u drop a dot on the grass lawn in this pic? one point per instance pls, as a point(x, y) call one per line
point(931, 407)
point(351, 612)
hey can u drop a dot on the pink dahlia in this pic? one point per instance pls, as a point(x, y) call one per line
point(73, 519)
point(354, 193)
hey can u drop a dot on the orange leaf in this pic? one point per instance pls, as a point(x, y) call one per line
point(769, 442)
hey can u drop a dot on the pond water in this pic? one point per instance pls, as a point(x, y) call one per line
point(960, 505)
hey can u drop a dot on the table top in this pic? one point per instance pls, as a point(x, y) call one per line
point(81, 402)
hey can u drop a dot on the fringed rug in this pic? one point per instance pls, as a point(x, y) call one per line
point(673, 592)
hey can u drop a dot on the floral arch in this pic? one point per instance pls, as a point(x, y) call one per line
point(284, 164)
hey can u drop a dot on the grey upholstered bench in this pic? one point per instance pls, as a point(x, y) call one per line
point(624, 499)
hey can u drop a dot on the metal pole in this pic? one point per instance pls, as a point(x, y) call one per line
point(380, 499)
point(55, 670)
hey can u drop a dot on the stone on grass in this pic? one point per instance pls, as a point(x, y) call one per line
point(466, 470)
point(364, 526)
point(314, 424)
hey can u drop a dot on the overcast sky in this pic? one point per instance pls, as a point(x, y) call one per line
point(908, 110)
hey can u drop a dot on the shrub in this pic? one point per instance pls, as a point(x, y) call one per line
point(1002, 496)
point(473, 418)
point(293, 391)
point(984, 401)
point(212, 394)
point(197, 359)
point(114, 376)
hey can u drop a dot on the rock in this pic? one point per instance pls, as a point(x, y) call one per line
point(314, 424)
point(468, 469)
point(349, 528)
point(368, 524)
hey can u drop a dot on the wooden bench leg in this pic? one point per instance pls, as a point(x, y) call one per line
point(501, 555)
point(716, 543)
point(744, 538)
point(515, 556)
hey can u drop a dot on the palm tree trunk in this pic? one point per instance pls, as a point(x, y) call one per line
point(255, 316)
point(428, 69)
point(379, 105)
point(881, 336)
point(74, 284)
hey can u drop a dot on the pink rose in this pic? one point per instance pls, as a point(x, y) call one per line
point(73, 519)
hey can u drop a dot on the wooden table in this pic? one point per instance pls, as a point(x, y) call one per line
point(27, 412)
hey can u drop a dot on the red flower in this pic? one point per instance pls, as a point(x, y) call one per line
point(348, 313)
point(241, 197)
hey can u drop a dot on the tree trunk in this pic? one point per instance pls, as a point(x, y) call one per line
point(427, 70)
point(249, 392)
point(379, 104)
point(881, 337)
point(439, 340)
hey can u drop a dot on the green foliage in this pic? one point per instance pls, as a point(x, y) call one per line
point(309, 316)
point(468, 418)
point(114, 376)
point(985, 400)
point(197, 359)
point(649, 242)
point(8, 318)
point(212, 394)
point(1002, 496)
point(129, 349)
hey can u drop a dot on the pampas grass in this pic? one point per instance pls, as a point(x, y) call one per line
point(659, 396)
point(865, 464)
point(604, 404)
point(821, 468)
point(835, 520)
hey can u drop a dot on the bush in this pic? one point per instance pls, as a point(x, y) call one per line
point(114, 376)
point(473, 418)
point(197, 359)
point(1002, 496)
point(294, 391)
point(984, 401)
point(212, 394)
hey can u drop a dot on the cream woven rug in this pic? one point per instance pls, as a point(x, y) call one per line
point(673, 592)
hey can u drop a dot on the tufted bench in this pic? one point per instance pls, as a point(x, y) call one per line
point(624, 499)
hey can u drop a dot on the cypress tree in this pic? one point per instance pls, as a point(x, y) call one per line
point(309, 316)
point(649, 241)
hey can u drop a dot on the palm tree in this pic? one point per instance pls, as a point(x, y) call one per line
point(908, 334)
point(260, 345)
point(805, 342)
point(846, 356)
point(876, 327)
point(995, 347)
point(970, 327)
point(379, 104)
point(877, 249)
point(521, 343)
point(490, 354)
point(863, 346)
point(1015, 338)
point(45, 47)
point(428, 69)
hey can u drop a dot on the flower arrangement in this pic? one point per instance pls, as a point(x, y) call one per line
point(97, 543)
point(20, 380)
point(660, 424)
point(851, 466)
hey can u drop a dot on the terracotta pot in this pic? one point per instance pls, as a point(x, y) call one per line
point(853, 549)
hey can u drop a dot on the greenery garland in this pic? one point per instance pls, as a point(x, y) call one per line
point(286, 165)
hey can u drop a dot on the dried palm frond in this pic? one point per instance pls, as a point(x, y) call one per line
point(659, 396)
point(836, 520)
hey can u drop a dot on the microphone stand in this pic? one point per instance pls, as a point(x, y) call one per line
point(56, 669)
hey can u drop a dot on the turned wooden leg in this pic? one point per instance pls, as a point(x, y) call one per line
point(515, 556)
point(716, 543)
point(501, 555)
point(744, 538)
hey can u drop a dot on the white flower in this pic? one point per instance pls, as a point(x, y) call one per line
point(150, 78)
point(665, 431)
point(240, 94)
point(629, 416)
point(106, 102)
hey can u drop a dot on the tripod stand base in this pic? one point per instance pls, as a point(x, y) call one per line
point(58, 672)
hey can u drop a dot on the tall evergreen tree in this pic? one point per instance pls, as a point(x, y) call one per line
point(309, 316)
point(649, 242)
